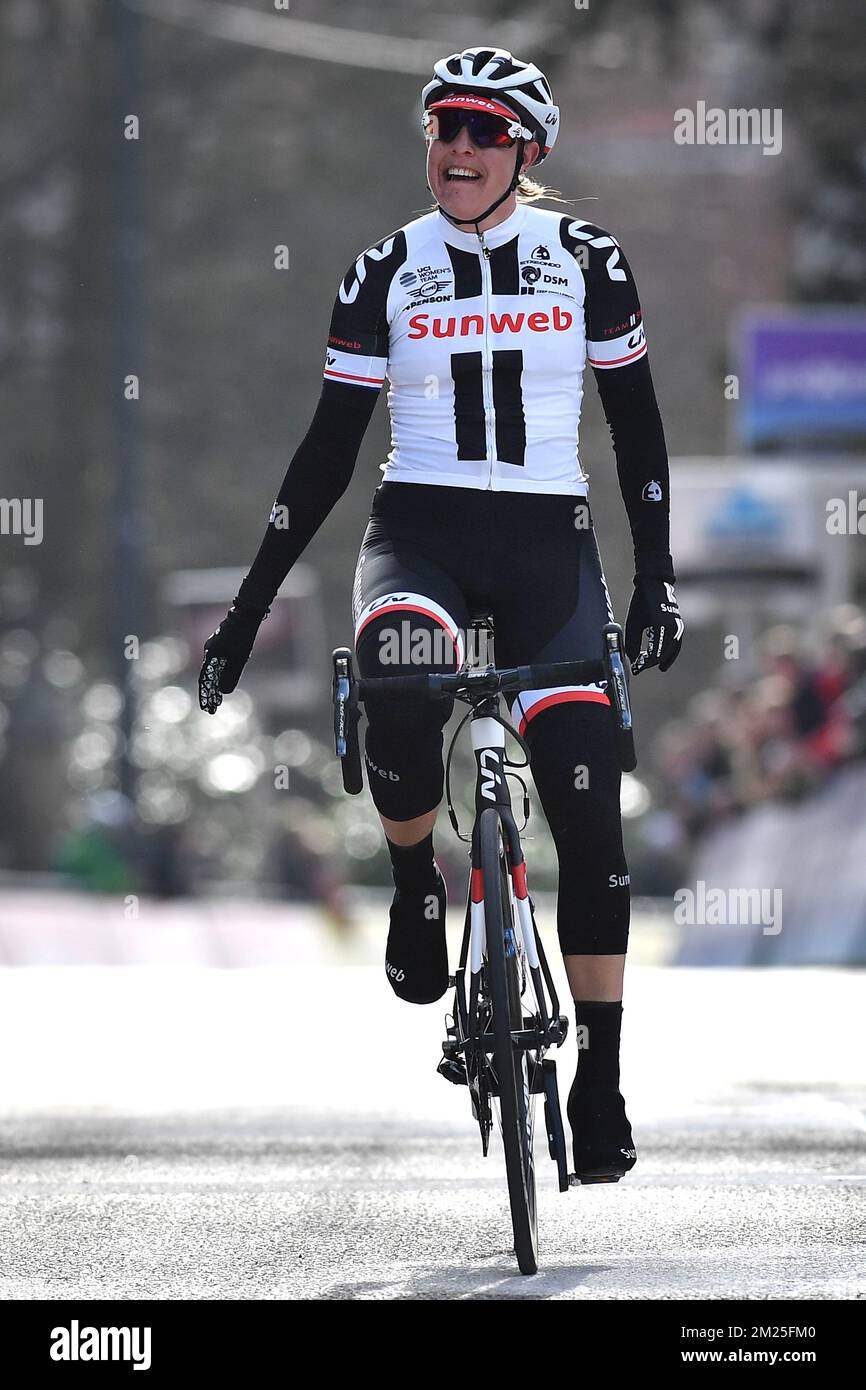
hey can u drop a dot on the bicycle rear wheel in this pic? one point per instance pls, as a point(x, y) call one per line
point(511, 1062)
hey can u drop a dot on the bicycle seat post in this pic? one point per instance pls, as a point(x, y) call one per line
point(479, 648)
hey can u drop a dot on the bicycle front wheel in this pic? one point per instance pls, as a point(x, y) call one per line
point(511, 1063)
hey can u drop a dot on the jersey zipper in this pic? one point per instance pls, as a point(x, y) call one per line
point(486, 366)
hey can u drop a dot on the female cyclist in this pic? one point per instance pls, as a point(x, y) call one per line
point(482, 314)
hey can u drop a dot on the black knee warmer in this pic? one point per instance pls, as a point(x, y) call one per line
point(403, 739)
point(577, 775)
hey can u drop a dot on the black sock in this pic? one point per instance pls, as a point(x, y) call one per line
point(412, 866)
point(416, 957)
point(598, 1050)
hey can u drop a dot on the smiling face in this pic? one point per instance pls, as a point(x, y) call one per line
point(465, 179)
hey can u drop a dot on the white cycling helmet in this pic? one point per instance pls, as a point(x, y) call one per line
point(494, 72)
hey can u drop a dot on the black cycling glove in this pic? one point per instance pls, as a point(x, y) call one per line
point(226, 653)
point(653, 628)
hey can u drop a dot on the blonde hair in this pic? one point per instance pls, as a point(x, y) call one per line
point(529, 190)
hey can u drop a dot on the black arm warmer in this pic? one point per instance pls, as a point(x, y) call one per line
point(317, 477)
point(632, 414)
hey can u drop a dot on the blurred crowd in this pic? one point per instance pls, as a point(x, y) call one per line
point(777, 731)
point(249, 804)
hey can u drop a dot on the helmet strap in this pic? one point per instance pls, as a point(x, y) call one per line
point(462, 221)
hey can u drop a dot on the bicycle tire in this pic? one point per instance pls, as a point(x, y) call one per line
point(511, 1067)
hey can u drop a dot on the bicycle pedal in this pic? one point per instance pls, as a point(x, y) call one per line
point(575, 1180)
point(452, 1071)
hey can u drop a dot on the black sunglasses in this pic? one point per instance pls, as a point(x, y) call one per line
point(486, 130)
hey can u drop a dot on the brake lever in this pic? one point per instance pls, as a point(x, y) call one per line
point(341, 694)
point(616, 671)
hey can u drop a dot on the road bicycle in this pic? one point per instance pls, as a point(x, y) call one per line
point(505, 1015)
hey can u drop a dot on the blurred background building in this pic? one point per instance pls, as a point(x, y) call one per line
point(162, 357)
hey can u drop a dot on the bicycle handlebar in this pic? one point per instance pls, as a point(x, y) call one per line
point(347, 691)
point(437, 685)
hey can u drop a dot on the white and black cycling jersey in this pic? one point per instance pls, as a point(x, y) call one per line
point(484, 344)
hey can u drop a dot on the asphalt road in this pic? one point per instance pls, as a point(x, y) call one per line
point(171, 1132)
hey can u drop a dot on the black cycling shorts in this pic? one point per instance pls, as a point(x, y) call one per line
point(530, 560)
